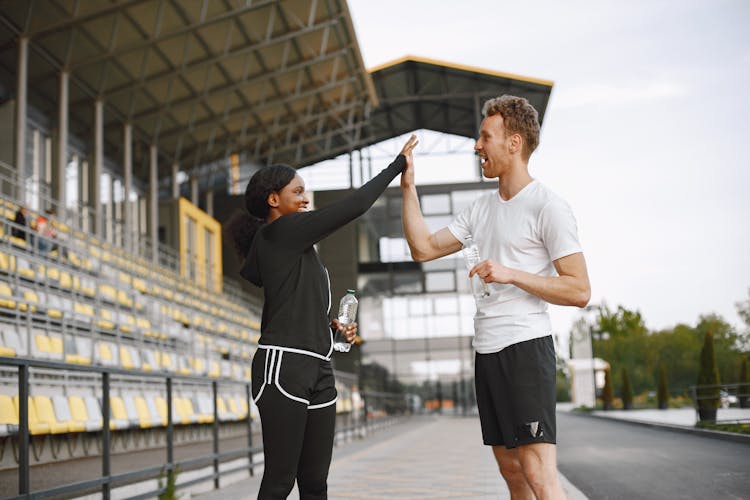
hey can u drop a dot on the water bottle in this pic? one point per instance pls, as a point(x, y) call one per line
point(479, 288)
point(347, 316)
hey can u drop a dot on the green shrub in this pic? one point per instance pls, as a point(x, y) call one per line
point(627, 391)
point(708, 397)
point(744, 388)
point(170, 489)
point(608, 394)
point(662, 393)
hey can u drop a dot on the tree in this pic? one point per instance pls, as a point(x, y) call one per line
point(662, 394)
point(608, 395)
point(744, 389)
point(627, 391)
point(743, 310)
point(707, 392)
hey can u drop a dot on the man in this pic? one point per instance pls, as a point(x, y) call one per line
point(528, 236)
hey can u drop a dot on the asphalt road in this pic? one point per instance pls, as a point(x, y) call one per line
point(607, 459)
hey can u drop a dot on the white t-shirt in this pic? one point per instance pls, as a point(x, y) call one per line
point(527, 232)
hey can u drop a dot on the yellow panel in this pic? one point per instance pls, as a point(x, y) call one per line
point(204, 224)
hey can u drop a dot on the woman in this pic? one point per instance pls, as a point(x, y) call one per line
point(292, 378)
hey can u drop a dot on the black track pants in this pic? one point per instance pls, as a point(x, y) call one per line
point(298, 423)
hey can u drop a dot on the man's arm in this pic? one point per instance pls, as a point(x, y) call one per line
point(423, 245)
point(570, 288)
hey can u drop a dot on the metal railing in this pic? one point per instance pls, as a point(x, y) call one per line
point(107, 480)
point(723, 396)
point(378, 410)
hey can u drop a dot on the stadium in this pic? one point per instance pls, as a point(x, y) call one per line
point(130, 129)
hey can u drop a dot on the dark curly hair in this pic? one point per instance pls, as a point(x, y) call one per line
point(243, 225)
point(519, 117)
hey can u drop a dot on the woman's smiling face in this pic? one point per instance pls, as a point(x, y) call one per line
point(293, 197)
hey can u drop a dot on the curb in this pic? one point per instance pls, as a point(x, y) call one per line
point(723, 435)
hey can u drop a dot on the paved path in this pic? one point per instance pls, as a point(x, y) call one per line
point(428, 457)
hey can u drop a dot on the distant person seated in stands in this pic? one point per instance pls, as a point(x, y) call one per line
point(46, 230)
point(19, 230)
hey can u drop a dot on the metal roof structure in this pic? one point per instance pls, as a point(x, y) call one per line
point(280, 80)
point(273, 80)
point(419, 93)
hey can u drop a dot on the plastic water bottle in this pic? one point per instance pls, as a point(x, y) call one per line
point(347, 316)
point(479, 288)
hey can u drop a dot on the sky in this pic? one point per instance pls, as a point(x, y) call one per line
point(646, 134)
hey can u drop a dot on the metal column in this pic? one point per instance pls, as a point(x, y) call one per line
point(127, 167)
point(21, 97)
point(96, 174)
point(175, 183)
point(153, 201)
point(62, 142)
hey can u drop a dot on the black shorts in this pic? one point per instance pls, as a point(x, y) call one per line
point(516, 393)
point(305, 379)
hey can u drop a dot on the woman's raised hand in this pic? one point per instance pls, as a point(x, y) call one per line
point(407, 175)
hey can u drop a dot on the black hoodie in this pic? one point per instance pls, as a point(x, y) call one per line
point(296, 287)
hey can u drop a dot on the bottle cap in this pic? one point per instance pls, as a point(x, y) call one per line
point(349, 290)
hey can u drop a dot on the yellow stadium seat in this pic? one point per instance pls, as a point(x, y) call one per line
point(106, 320)
point(199, 366)
point(189, 410)
point(6, 295)
point(126, 322)
point(221, 406)
point(83, 312)
point(66, 281)
point(43, 347)
point(56, 346)
point(53, 273)
point(126, 278)
point(23, 267)
point(7, 262)
point(165, 360)
point(36, 426)
point(75, 259)
point(106, 355)
point(205, 409)
point(31, 300)
point(214, 370)
point(179, 411)
point(62, 413)
point(144, 418)
point(125, 359)
point(124, 299)
point(8, 417)
point(108, 293)
point(161, 407)
point(120, 418)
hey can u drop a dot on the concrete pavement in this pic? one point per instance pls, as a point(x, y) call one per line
point(427, 457)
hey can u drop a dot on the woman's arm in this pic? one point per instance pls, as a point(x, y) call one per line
point(307, 228)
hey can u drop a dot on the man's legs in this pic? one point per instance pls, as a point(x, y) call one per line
point(530, 471)
point(512, 472)
point(539, 464)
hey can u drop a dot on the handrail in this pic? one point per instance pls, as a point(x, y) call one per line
point(107, 480)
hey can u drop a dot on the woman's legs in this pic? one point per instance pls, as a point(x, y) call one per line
point(315, 459)
point(283, 421)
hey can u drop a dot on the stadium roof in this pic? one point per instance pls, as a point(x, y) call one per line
point(201, 79)
point(275, 80)
point(419, 93)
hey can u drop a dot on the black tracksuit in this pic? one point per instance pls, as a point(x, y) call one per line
point(292, 378)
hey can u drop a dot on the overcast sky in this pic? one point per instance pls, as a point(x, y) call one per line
point(646, 133)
